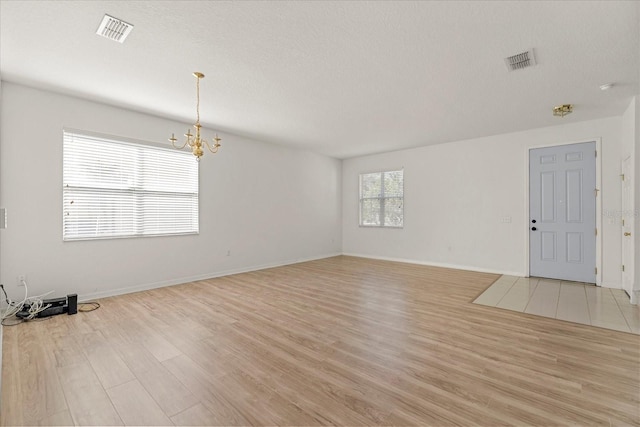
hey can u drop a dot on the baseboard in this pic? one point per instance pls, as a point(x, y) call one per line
point(212, 275)
point(440, 264)
point(611, 285)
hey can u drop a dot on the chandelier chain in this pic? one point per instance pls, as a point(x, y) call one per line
point(198, 100)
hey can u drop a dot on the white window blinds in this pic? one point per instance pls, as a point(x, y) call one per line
point(120, 189)
point(382, 199)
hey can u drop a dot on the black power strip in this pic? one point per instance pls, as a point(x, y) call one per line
point(68, 304)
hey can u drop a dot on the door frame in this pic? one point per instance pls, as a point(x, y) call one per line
point(633, 298)
point(598, 142)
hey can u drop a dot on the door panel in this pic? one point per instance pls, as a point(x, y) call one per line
point(562, 182)
point(573, 157)
point(574, 247)
point(574, 196)
point(548, 196)
point(548, 252)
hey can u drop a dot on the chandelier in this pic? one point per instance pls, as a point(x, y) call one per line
point(194, 141)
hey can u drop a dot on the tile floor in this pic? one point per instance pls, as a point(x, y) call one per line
point(571, 301)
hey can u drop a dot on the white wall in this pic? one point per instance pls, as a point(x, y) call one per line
point(265, 203)
point(456, 195)
point(637, 188)
point(636, 228)
point(1, 232)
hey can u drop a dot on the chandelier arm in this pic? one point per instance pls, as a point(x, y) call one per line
point(178, 147)
point(173, 142)
point(213, 150)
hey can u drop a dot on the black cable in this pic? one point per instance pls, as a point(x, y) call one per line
point(11, 324)
point(92, 306)
point(6, 297)
point(35, 319)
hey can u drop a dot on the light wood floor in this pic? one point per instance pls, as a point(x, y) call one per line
point(343, 341)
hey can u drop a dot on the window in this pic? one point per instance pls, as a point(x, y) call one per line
point(382, 199)
point(121, 189)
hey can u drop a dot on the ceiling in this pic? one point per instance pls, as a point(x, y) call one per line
point(338, 78)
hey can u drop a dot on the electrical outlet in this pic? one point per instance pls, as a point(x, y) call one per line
point(21, 278)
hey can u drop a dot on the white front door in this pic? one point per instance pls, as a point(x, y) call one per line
point(627, 218)
point(562, 212)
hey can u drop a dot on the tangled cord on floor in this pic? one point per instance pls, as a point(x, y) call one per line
point(35, 305)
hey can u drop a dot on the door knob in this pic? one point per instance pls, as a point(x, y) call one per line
point(627, 233)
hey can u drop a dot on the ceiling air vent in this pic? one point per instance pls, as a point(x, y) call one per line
point(520, 60)
point(114, 29)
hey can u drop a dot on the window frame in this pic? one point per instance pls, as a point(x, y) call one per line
point(137, 193)
point(381, 198)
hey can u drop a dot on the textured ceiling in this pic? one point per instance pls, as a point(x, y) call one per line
point(338, 78)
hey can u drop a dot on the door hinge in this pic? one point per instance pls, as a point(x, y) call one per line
point(622, 176)
point(623, 222)
point(622, 267)
point(596, 153)
point(596, 269)
point(595, 190)
point(596, 231)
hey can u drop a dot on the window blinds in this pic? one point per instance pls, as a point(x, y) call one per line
point(120, 189)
